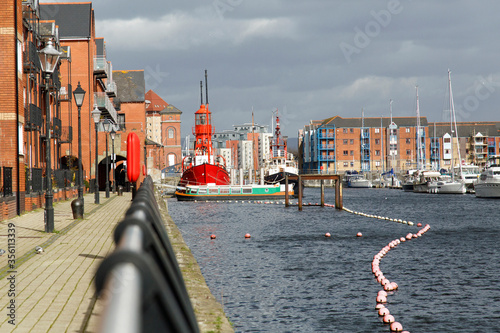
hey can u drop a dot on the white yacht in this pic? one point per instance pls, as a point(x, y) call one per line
point(359, 181)
point(469, 174)
point(424, 181)
point(453, 184)
point(488, 184)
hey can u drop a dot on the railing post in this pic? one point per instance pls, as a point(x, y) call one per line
point(287, 201)
point(322, 193)
point(300, 193)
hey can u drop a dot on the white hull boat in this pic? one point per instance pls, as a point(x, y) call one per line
point(488, 185)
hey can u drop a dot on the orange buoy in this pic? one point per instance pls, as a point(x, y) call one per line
point(212, 236)
point(396, 327)
point(327, 234)
point(359, 234)
point(388, 319)
point(419, 225)
point(383, 311)
point(247, 236)
point(381, 299)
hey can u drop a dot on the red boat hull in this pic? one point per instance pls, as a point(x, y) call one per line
point(205, 174)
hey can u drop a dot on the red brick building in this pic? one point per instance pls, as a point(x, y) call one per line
point(27, 99)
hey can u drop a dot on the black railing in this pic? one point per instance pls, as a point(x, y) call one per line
point(33, 115)
point(141, 279)
point(36, 180)
point(7, 181)
point(63, 177)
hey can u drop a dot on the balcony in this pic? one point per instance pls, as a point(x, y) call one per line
point(326, 158)
point(322, 135)
point(328, 146)
point(65, 93)
point(31, 60)
point(101, 67)
point(33, 118)
point(105, 105)
point(111, 89)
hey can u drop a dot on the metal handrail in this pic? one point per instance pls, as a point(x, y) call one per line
point(122, 313)
point(141, 279)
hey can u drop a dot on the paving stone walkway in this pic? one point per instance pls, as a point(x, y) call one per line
point(53, 291)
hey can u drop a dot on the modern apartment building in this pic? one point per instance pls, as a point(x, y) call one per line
point(337, 144)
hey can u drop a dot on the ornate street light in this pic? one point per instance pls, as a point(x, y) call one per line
point(107, 125)
point(112, 134)
point(96, 115)
point(78, 209)
point(49, 57)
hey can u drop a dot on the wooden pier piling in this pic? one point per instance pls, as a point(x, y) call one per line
point(322, 178)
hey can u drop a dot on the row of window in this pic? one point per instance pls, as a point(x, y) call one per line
point(346, 164)
point(377, 141)
point(376, 130)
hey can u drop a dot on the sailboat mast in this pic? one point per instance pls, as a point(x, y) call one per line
point(451, 126)
point(452, 111)
point(419, 152)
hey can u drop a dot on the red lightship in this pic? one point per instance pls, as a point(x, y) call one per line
point(204, 168)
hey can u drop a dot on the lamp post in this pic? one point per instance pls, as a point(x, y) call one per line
point(78, 204)
point(96, 115)
point(49, 57)
point(107, 124)
point(112, 134)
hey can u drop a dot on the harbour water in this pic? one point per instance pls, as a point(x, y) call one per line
point(289, 277)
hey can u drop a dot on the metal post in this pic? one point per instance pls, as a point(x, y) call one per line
point(96, 200)
point(322, 193)
point(300, 193)
point(287, 199)
point(113, 163)
point(80, 170)
point(49, 209)
point(107, 167)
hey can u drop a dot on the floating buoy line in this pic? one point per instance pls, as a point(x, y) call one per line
point(386, 284)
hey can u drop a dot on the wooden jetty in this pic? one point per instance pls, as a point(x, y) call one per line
point(338, 188)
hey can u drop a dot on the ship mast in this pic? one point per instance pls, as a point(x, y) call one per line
point(203, 129)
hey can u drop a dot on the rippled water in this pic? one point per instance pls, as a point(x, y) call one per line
point(288, 277)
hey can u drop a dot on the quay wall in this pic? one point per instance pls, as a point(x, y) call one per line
point(209, 313)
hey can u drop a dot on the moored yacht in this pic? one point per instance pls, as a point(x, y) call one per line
point(488, 184)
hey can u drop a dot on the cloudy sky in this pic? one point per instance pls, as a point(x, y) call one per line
point(310, 59)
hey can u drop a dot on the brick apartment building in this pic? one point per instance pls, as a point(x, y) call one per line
point(337, 144)
point(163, 132)
point(26, 99)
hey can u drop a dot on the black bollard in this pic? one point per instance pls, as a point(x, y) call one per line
point(77, 208)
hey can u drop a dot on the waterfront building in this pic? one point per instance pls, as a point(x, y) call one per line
point(29, 102)
point(336, 144)
point(163, 130)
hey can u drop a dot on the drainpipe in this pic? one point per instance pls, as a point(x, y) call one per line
point(18, 176)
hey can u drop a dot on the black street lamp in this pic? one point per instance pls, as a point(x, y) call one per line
point(107, 125)
point(78, 204)
point(112, 134)
point(96, 115)
point(49, 57)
